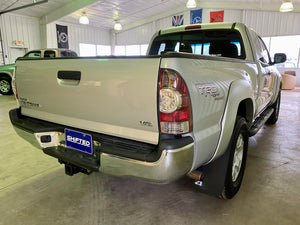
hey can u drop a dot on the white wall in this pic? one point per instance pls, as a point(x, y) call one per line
point(28, 29)
point(78, 34)
point(273, 23)
point(143, 34)
point(138, 35)
point(265, 23)
point(21, 28)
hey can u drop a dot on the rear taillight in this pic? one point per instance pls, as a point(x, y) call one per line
point(175, 114)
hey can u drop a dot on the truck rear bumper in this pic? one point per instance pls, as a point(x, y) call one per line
point(174, 157)
point(171, 165)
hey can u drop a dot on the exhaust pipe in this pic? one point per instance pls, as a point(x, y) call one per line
point(197, 176)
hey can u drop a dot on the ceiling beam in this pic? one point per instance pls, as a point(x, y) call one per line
point(24, 6)
point(66, 10)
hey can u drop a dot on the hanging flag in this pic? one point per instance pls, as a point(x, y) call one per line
point(62, 36)
point(177, 20)
point(196, 16)
point(217, 16)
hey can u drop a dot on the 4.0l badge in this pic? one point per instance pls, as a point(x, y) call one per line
point(146, 124)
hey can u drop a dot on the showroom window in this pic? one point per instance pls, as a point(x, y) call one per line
point(103, 50)
point(120, 50)
point(290, 45)
point(131, 50)
point(87, 49)
point(94, 50)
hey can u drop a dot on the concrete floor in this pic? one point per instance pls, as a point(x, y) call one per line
point(35, 190)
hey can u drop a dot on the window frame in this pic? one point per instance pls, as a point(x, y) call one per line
point(181, 37)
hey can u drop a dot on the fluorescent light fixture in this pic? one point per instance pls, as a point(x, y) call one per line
point(191, 4)
point(118, 26)
point(84, 19)
point(286, 6)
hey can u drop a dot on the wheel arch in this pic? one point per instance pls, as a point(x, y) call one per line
point(246, 110)
point(240, 102)
point(4, 74)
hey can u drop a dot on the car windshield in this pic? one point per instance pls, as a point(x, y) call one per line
point(36, 54)
point(225, 43)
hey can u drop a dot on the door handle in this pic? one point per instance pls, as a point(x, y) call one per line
point(68, 78)
point(69, 75)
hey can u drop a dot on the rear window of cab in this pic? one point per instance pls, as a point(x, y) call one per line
point(223, 43)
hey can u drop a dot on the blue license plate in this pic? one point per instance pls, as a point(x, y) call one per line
point(79, 141)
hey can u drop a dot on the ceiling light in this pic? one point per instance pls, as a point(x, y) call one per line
point(191, 4)
point(118, 26)
point(84, 19)
point(286, 6)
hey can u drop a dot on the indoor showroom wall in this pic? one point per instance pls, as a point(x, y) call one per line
point(143, 33)
point(78, 34)
point(28, 29)
point(265, 23)
point(19, 28)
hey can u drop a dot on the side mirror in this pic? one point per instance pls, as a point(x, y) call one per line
point(279, 58)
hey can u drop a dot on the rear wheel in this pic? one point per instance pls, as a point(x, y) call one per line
point(237, 160)
point(5, 86)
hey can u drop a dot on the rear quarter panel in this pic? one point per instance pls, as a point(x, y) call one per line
point(209, 107)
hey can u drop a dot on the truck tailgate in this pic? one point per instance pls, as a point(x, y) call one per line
point(113, 96)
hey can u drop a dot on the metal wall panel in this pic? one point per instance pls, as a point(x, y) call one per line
point(143, 33)
point(138, 35)
point(273, 23)
point(266, 23)
point(19, 28)
point(27, 29)
point(78, 34)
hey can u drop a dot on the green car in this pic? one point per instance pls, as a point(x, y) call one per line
point(6, 73)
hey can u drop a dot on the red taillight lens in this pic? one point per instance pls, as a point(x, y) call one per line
point(192, 27)
point(175, 114)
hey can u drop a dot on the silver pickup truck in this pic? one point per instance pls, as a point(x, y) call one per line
point(187, 108)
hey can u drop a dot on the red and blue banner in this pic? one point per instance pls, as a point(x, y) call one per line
point(196, 16)
point(177, 20)
point(217, 16)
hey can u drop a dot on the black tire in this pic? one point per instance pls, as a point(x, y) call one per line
point(276, 106)
point(5, 86)
point(238, 148)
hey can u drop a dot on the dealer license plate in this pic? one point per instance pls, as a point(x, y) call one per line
point(79, 141)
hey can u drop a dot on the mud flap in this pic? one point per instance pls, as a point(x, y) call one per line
point(214, 175)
